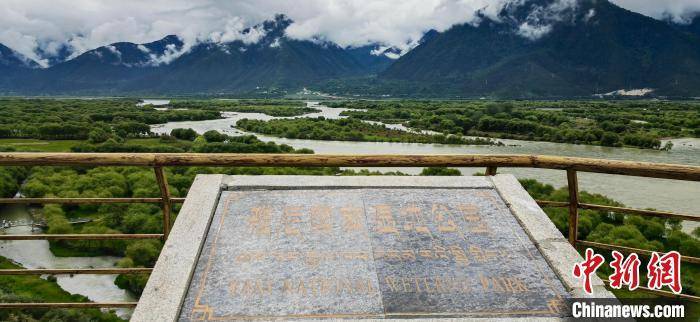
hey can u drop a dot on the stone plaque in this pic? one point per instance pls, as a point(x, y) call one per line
point(368, 253)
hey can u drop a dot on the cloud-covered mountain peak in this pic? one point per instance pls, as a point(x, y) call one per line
point(10, 59)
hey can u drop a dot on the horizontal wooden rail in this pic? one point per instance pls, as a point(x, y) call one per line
point(80, 236)
point(641, 169)
point(71, 271)
point(76, 305)
point(687, 259)
point(85, 201)
point(664, 293)
point(77, 201)
point(641, 212)
point(553, 204)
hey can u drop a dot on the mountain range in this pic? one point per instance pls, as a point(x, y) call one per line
point(531, 49)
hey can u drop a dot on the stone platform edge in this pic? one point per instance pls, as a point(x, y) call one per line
point(167, 287)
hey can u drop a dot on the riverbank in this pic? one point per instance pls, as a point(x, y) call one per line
point(29, 288)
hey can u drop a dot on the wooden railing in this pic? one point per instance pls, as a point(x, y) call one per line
point(158, 161)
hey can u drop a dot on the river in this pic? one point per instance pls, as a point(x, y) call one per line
point(36, 254)
point(661, 194)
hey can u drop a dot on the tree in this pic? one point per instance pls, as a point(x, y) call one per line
point(143, 252)
point(98, 135)
point(184, 134)
point(440, 171)
point(214, 136)
point(609, 139)
point(56, 220)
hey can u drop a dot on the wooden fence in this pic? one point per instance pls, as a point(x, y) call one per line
point(158, 161)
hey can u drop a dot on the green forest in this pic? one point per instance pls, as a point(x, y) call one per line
point(640, 124)
point(348, 130)
point(65, 125)
point(280, 108)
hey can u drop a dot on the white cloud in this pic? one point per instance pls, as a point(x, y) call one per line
point(677, 10)
point(540, 20)
point(171, 53)
point(589, 15)
point(86, 24)
point(237, 29)
point(533, 32)
point(115, 51)
point(276, 43)
point(34, 26)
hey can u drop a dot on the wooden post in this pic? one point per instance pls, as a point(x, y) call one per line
point(573, 206)
point(165, 195)
point(491, 170)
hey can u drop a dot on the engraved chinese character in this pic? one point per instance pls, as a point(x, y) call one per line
point(408, 255)
point(393, 254)
point(468, 210)
point(352, 218)
point(477, 253)
point(426, 253)
point(292, 219)
point(443, 218)
point(321, 219)
point(556, 305)
point(313, 259)
point(482, 255)
point(385, 220)
point(441, 252)
point(486, 194)
point(459, 255)
point(414, 219)
point(260, 221)
point(473, 219)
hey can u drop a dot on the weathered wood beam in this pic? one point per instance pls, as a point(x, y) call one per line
point(77, 201)
point(80, 236)
point(84, 305)
point(641, 212)
point(66, 271)
point(642, 169)
point(623, 249)
point(572, 180)
point(165, 196)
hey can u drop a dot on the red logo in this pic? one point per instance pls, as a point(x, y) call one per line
point(588, 267)
point(662, 270)
point(626, 271)
point(665, 270)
